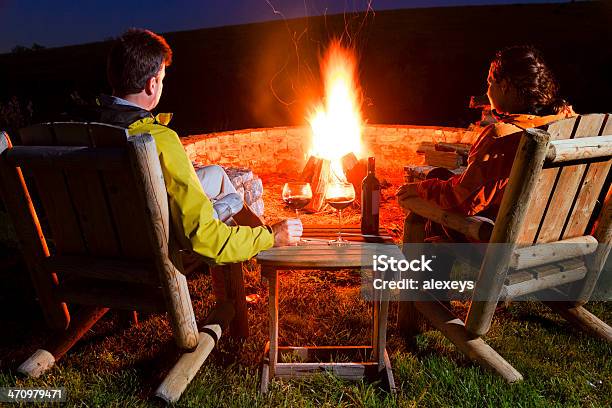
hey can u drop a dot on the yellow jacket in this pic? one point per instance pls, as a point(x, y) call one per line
point(191, 210)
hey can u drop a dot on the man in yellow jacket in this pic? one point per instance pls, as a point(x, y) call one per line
point(136, 69)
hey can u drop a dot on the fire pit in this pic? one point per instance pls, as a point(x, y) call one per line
point(334, 146)
point(284, 151)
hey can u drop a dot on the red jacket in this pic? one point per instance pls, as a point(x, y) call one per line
point(480, 188)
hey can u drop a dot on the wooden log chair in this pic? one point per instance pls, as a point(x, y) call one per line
point(105, 203)
point(556, 217)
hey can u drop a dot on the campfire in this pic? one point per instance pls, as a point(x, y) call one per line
point(336, 128)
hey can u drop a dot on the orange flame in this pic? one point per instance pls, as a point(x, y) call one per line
point(336, 124)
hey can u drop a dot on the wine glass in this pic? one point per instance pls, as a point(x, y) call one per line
point(339, 195)
point(297, 195)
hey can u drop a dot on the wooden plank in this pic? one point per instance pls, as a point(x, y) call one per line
point(323, 248)
point(55, 196)
point(545, 270)
point(357, 255)
point(590, 190)
point(71, 134)
point(297, 262)
point(524, 176)
point(103, 135)
point(567, 186)
point(59, 209)
point(151, 190)
point(101, 268)
point(32, 241)
point(596, 261)
point(273, 295)
point(325, 353)
point(127, 214)
point(388, 375)
point(128, 296)
point(537, 206)
point(37, 135)
point(72, 158)
point(88, 195)
point(518, 277)
point(571, 264)
point(346, 371)
point(381, 329)
point(350, 233)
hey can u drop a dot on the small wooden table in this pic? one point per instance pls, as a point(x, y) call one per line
point(318, 255)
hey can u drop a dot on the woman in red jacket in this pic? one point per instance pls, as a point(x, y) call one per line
point(523, 94)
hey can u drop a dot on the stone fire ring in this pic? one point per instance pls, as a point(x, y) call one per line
point(285, 149)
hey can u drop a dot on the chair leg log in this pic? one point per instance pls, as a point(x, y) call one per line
point(228, 285)
point(188, 365)
point(43, 360)
point(475, 348)
point(411, 322)
point(583, 319)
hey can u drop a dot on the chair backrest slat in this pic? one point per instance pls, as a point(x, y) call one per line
point(127, 216)
point(120, 188)
point(539, 202)
point(567, 186)
point(86, 186)
point(590, 190)
point(55, 195)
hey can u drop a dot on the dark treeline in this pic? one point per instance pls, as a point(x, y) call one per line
point(416, 66)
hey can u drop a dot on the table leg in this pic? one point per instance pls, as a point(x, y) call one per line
point(272, 275)
point(375, 323)
point(382, 330)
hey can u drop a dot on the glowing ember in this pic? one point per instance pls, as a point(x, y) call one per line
point(336, 124)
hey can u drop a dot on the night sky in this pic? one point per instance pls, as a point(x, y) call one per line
point(64, 22)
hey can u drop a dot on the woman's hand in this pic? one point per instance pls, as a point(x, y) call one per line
point(406, 191)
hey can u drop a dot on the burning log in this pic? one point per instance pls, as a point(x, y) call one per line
point(355, 171)
point(317, 173)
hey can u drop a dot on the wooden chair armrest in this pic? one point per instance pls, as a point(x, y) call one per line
point(474, 227)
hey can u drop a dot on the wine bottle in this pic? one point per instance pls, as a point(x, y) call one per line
point(370, 201)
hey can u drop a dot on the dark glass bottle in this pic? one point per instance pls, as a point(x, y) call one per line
point(370, 201)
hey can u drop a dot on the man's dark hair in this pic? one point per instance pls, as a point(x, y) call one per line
point(135, 57)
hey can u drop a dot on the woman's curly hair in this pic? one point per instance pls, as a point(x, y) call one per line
point(524, 68)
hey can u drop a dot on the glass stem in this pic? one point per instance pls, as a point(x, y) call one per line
point(297, 213)
point(339, 225)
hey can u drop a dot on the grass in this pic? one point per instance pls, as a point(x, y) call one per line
point(561, 368)
point(118, 364)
